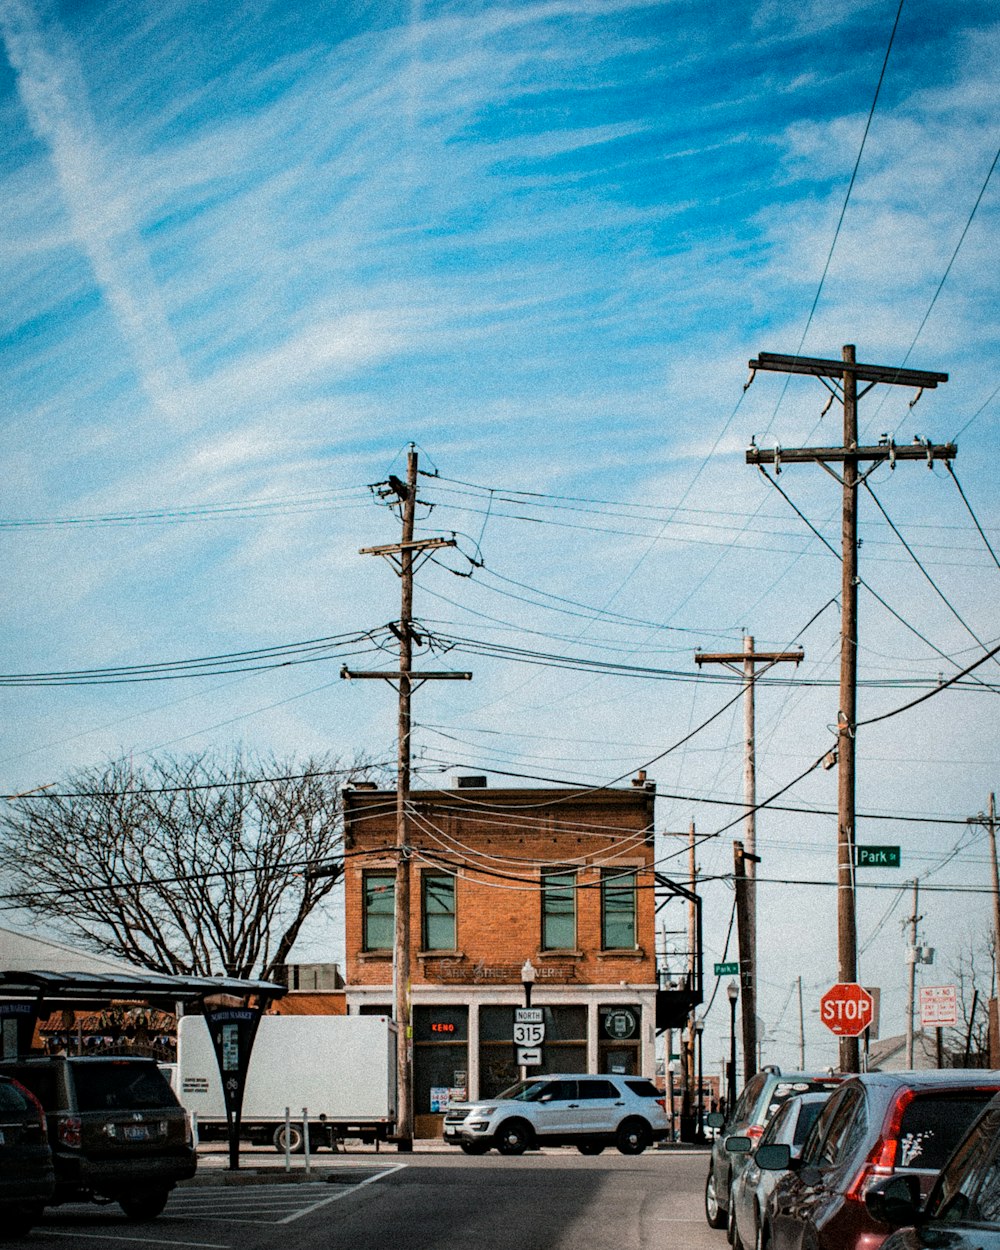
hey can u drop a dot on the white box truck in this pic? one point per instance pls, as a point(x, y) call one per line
point(342, 1069)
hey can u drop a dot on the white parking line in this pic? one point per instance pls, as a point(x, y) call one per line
point(146, 1241)
point(325, 1202)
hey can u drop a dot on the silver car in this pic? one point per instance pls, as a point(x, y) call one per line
point(589, 1112)
point(752, 1186)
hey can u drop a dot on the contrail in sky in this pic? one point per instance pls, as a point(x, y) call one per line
point(54, 95)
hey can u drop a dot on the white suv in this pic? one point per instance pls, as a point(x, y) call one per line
point(589, 1112)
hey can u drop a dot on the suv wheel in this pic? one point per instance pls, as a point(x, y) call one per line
point(714, 1214)
point(474, 1147)
point(590, 1147)
point(513, 1138)
point(144, 1204)
point(633, 1136)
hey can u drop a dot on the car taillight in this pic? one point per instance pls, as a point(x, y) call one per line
point(661, 1103)
point(69, 1130)
point(881, 1160)
point(755, 1132)
point(33, 1103)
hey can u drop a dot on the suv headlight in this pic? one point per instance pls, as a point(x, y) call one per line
point(481, 1113)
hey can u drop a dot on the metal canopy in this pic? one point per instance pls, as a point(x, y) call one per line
point(84, 989)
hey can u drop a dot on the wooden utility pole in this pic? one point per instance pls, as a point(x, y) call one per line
point(988, 820)
point(748, 986)
point(802, 1030)
point(841, 378)
point(402, 555)
point(749, 658)
point(911, 955)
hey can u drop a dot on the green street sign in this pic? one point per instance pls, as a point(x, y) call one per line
point(876, 856)
point(727, 970)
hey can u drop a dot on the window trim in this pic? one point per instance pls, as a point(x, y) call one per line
point(614, 877)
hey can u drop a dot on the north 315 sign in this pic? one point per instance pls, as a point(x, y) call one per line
point(529, 1034)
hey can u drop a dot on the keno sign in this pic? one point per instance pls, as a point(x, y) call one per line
point(846, 1009)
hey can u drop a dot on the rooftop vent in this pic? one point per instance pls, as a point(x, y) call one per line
point(469, 783)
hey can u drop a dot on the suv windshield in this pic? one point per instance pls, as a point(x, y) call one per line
point(113, 1086)
point(525, 1091)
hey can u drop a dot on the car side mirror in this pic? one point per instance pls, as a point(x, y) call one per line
point(773, 1158)
point(737, 1145)
point(895, 1200)
point(715, 1119)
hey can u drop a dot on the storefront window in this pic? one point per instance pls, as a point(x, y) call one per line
point(618, 899)
point(440, 1058)
point(559, 911)
point(564, 1048)
point(619, 1037)
point(379, 899)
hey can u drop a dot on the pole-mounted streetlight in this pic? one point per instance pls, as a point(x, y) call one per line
point(732, 993)
point(528, 975)
point(699, 1132)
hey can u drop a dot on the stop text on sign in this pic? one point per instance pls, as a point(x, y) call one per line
point(847, 1009)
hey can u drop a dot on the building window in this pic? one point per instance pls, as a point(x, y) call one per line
point(380, 895)
point(618, 895)
point(565, 1048)
point(559, 911)
point(438, 911)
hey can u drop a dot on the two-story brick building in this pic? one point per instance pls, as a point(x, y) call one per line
point(563, 879)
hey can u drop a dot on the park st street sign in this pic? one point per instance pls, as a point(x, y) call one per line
point(876, 856)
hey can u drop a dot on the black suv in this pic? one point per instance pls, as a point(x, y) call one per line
point(115, 1127)
point(26, 1176)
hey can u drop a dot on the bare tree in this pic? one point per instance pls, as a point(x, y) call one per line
point(190, 866)
point(975, 976)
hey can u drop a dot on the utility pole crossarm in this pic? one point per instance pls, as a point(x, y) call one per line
point(413, 676)
point(737, 657)
point(418, 544)
point(814, 367)
point(884, 451)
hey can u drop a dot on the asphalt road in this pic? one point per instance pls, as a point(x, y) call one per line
point(545, 1200)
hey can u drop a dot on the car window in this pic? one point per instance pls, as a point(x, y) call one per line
point(645, 1089)
point(41, 1079)
point(846, 1127)
point(748, 1099)
point(814, 1139)
point(559, 1091)
point(808, 1115)
point(932, 1125)
point(778, 1129)
point(115, 1086)
point(596, 1089)
point(971, 1180)
point(789, 1089)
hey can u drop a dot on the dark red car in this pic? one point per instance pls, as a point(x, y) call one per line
point(875, 1125)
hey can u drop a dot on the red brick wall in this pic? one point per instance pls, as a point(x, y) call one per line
point(498, 912)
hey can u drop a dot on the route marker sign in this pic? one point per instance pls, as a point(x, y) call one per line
point(847, 1009)
point(938, 1006)
point(529, 1056)
point(877, 857)
point(529, 1034)
point(528, 1015)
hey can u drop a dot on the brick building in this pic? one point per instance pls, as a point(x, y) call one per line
point(561, 878)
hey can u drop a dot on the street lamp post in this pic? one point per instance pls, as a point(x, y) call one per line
point(699, 1132)
point(528, 975)
point(732, 993)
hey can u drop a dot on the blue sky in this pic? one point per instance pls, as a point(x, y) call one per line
point(250, 251)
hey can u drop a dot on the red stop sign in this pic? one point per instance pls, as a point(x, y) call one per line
point(846, 1009)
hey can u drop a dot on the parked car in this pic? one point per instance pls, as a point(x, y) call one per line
point(962, 1211)
point(876, 1125)
point(27, 1179)
point(115, 1128)
point(789, 1126)
point(762, 1095)
point(589, 1112)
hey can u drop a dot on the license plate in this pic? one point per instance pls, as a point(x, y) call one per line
point(449, 1132)
point(136, 1132)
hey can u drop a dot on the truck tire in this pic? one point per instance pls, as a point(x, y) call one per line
point(144, 1204)
point(633, 1136)
point(514, 1137)
point(296, 1139)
